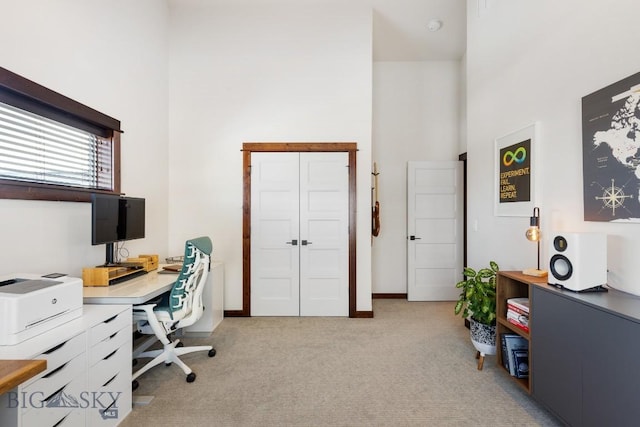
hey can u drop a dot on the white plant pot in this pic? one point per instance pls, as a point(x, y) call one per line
point(483, 337)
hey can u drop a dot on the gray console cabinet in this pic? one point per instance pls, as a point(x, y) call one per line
point(585, 352)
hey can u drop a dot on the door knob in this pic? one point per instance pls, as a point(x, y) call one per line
point(305, 243)
point(293, 242)
point(414, 238)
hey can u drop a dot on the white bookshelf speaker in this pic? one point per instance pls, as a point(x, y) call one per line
point(578, 261)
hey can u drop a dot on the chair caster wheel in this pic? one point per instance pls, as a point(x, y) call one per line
point(180, 344)
point(167, 364)
point(212, 352)
point(134, 385)
point(191, 377)
point(134, 362)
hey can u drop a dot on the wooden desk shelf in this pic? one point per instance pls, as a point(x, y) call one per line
point(104, 276)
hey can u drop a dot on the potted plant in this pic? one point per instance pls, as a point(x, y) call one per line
point(478, 303)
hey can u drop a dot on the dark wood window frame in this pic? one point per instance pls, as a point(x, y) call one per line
point(247, 149)
point(25, 94)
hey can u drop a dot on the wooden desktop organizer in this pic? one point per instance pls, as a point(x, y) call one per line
point(104, 276)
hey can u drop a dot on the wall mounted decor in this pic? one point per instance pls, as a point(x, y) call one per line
point(514, 185)
point(611, 152)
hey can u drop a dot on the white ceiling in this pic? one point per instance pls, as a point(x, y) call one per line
point(400, 30)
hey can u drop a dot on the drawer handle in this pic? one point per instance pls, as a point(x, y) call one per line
point(107, 383)
point(59, 368)
point(51, 350)
point(110, 319)
point(110, 337)
point(111, 354)
point(108, 408)
point(54, 393)
point(61, 421)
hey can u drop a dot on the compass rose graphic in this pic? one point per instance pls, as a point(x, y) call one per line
point(613, 197)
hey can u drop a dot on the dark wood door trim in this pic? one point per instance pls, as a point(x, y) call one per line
point(247, 149)
point(463, 158)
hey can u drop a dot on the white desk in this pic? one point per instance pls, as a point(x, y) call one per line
point(135, 291)
point(146, 287)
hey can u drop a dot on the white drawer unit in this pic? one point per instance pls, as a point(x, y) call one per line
point(110, 344)
point(88, 377)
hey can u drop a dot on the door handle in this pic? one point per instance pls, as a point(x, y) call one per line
point(305, 243)
point(414, 238)
point(293, 242)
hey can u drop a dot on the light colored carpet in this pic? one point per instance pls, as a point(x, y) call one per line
point(411, 365)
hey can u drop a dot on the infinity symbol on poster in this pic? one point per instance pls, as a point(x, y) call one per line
point(519, 156)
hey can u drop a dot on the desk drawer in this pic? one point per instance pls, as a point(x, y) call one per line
point(55, 417)
point(119, 361)
point(109, 344)
point(60, 354)
point(45, 416)
point(55, 380)
point(105, 329)
point(115, 398)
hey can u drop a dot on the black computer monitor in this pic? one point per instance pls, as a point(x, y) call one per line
point(114, 219)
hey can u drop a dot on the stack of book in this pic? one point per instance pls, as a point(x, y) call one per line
point(518, 312)
point(515, 355)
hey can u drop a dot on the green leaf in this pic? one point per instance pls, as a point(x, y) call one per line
point(486, 273)
point(469, 272)
point(458, 307)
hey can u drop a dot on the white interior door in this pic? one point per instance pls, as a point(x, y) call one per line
point(299, 234)
point(434, 230)
point(275, 200)
point(324, 227)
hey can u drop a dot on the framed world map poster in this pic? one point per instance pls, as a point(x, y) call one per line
point(515, 187)
point(611, 152)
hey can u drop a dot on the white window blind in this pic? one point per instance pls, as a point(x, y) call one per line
point(36, 149)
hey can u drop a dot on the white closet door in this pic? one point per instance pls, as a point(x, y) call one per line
point(275, 275)
point(434, 230)
point(299, 234)
point(324, 227)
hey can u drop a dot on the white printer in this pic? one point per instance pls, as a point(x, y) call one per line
point(31, 304)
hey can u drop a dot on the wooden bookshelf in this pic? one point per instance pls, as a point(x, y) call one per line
point(513, 284)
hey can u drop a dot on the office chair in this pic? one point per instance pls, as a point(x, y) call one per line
point(178, 308)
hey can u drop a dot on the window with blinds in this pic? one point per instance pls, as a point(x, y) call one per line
point(40, 150)
point(52, 147)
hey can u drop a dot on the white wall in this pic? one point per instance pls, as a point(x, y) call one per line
point(415, 117)
point(533, 61)
point(277, 71)
point(112, 56)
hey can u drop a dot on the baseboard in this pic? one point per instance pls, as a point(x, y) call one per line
point(389, 296)
point(363, 315)
point(241, 313)
point(235, 313)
